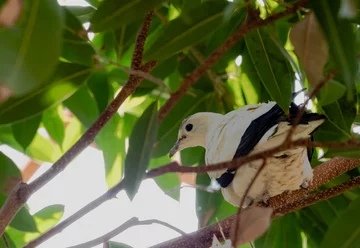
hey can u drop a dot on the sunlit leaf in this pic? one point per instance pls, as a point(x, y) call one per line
point(67, 80)
point(54, 125)
point(26, 47)
point(141, 142)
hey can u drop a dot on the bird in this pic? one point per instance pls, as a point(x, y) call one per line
point(246, 131)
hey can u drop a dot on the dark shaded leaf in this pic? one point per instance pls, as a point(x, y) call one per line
point(141, 142)
point(345, 152)
point(283, 232)
point(26, 49)
point(99, 85)
point(67, 80)
point(76, 47)
point(25, 131)
point(82, 13)
point(341, 39)
point(272, 67)
point(331, 92)
point(10, 174)
point(111, 14)
point(54, 125)
point(10, 243)
point(183, 32)
point(113, 244)
point(344, 232)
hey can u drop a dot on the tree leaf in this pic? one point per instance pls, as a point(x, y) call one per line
point(67, 80)
point(111, 14)
point(10, 174)
point(331, 92)
point(253, 223)
point(23, 221)
point(26, 47)
point(311, 47)
point(10, 243)
point(283, 232)
point(25, 131)
point(340, 37)
point(99, 85)
point(181, 33)
point(113, 244)
point(73, 132)
point(141, 142)
point(344, 231)
point(54, 125)
point(272, 67)
point(76, 47)
point(82, 13)
point(345, 152)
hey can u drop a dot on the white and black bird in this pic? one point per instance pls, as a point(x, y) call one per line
point(249, 130)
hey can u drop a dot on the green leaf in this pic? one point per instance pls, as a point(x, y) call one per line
point(10, 174)
point(82, 13)
point(341, 39)
point(169, 183)
point(113, 14)
point(99, 85)
point(183, 32)
point(283, 232)
point(54, 125)
point(67, 80)
point(82, 104)
point(168, 130)
point(76, 47)
point(25, 131)
point(73, 133)
point(344, 231)
point(113, 244)
point(10, 243)
point(331, 92)
point(345, 152)
point(31, 46)
point(272, 67)
point(192, 155)
point(141, 142)
point(23, 221)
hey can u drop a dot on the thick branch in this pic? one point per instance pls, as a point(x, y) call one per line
point(22, 191)
point(211, 60)
point(321, 176)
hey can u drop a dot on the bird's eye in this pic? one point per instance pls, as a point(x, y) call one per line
point(189, 127)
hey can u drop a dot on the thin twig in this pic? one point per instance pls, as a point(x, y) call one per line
point(139, 73)
point(128, 224)
point(211, 60)
point(243, 198)
point(23, 191)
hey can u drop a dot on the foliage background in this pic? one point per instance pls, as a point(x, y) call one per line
point(61, 77)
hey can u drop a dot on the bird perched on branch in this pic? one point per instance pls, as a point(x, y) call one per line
point(250, 130)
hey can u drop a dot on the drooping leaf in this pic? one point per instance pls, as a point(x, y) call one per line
point(272, 67)
point(111, 14)
point(10, 174)
point(25, 131)
point(311, 47)
point(73, 132)
point(83, 105)
point(344, 232)
point(141, 142)
point(181, 33)
point(23, 221)
point(341, 40)
point(76, 47)
point(26, 49)
point(54, 125)
point(67, 80)
point(331, 92)
point(113, 244)
point(283, 232)
point(82, 13)
point(99, 85)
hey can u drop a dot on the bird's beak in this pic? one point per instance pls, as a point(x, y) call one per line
point(174, 149)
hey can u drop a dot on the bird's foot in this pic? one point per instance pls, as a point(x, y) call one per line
point(265, 200)
point(305, 184)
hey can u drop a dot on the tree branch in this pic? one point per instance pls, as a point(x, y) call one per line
point(205, 234)
point(129, 223)
point(211, 60)
point(23, 191)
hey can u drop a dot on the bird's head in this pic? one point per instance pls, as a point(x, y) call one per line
point(193, 131)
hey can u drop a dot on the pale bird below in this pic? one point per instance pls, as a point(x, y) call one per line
point(249, 130)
